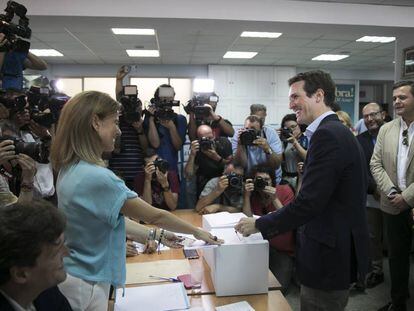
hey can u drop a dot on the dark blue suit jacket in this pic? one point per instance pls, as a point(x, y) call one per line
point(330, 207)
point(367, 144)
point(49, 300)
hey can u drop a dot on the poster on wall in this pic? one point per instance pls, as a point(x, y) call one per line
point(345, 98)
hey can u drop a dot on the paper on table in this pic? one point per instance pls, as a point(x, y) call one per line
point(153, 298)
point(140, 272)
point(238, 306)
point(224, 219)
point(141, 247)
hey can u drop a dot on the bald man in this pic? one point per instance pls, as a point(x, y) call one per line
point(373, 117)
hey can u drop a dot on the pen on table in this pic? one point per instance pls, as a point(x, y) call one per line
point(164, 278)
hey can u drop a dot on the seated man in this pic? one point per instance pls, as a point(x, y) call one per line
point(160, 185)
point(262, 196)
point(224, 193)
point(31, 251)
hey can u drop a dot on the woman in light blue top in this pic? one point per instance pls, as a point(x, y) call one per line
point(95, 202)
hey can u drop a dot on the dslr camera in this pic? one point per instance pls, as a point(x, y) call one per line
point(164, 102)
point(13, 104)
point(38, 151)
point(130, 104)
point(162, 165)
point(235, 181)
point(197, 105)
point(248, 136)
point(206, 143)
point(12, 31)
point(285, 134)
point(259, 183)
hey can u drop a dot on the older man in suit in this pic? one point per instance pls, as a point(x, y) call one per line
point(330, 206)
point(392, 166)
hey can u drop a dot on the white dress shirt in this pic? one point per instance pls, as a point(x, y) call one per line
point(315, 124)
point(403, 151)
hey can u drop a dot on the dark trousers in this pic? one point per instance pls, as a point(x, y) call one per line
point(312, 299)
point(398, 230)
point(281, 265)
point(375, 227)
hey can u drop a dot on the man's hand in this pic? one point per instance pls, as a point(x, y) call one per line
point(239, 131)
point(149, 170)
point(137, 125)
point(246, 226)
point(262, 143)
point(38, 130)
point(3, 42)
point(28, 166)
point(248, 187)
point(7, 151)
point(121, 73)
point(222, 184)
point(270, 191)
point(162, 178)
point(398, 201)
point(212, 154)
point(210, 209)
point(169, 124)
point(195, 147)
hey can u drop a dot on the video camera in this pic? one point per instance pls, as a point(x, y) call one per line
point(248, 136)
point(163, 103)
point(197, 105)
point(45, 105)
point(130, 104)
point(285, 134)
point(235, 181)
point(12, 31)
point(38, 151)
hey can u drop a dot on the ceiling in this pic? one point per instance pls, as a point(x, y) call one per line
point(89, 40)
point(374, 2)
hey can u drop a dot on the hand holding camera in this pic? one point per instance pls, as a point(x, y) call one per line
point(222, 184)
point(195, 147)
point(262, 143)
point(149, 170)
point(7, 152)
point(248, 187)
point(162, 178)
point(122, 72)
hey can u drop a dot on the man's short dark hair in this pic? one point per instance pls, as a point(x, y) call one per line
point(157, 91)
point(404, 83)
point(288, 117)
point(253, 118)
point(257, 107)
point(24, 230)
point(264, 168)
point(314, 80)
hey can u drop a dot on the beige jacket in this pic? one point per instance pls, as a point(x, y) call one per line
point(384, 165)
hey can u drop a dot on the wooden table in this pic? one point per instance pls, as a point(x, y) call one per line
point(207, 284)
point(273, 301)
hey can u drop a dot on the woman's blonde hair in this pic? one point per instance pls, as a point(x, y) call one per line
point(345, 117)
point(76, 139)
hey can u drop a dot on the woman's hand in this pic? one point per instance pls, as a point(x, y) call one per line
point(171, 240)
point(200, 234)
point(130, 249)
point(149, 170)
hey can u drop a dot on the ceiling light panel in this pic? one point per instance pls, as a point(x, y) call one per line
point(46, 52)
point(330, 57)
point(133, 31)
point(234, 54)
point(376, 39)
point(143, 53)
point(260, 34)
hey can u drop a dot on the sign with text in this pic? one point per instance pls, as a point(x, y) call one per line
point(345, 98)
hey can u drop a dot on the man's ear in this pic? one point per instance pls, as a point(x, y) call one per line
point(96, 122)
point(319, 95)
point(19, 275)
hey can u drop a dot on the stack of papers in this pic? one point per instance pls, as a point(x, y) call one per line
point(152, 298)
point(238, 306)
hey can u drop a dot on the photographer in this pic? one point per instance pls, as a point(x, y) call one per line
point(13, 63)
point(33, 138)
point(160, 186)
point(127, 159)
point(295, 146)
point(165, 129)
point(224, 193)
point(255, 144)
point(208, 157)
point(202, 110)
point(9, 162)
point(262, 196)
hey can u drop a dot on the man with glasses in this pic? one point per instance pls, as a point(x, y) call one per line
point(392, 166)
point(373, 120)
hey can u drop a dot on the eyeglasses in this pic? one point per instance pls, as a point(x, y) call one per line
point(405, 138)
point(372, 115)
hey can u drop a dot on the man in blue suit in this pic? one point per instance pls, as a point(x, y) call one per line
point(329, 209)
